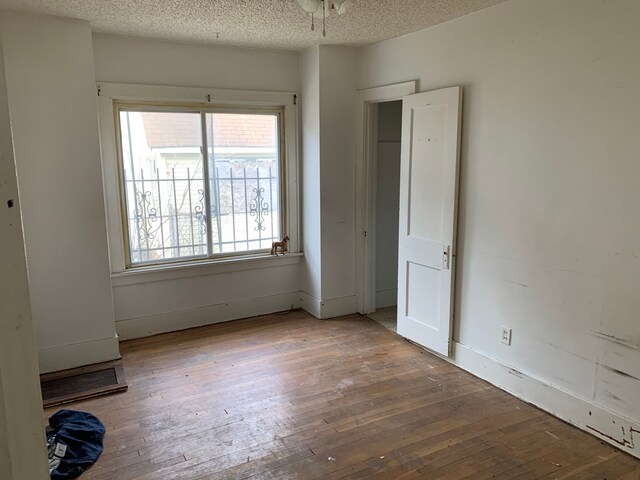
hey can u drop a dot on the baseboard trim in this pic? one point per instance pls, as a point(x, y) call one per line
point(139, 327)
point(336, 307)
point(310, 304)
point(64, 357)
point(608, 426)
point(329, 308)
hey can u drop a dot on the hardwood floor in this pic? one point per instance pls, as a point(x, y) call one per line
point(289, 396)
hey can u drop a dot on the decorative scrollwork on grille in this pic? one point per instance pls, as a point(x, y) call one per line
point(199, 212)
point(259, 209)
point(146, 215)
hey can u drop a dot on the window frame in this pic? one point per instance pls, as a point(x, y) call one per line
point(113, 98)
point(129, 106)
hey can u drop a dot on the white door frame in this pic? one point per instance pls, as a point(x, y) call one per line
point(366, 187)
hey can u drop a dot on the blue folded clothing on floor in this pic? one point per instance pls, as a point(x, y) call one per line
point(74, 442)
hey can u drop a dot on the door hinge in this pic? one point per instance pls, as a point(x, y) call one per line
point(445, 257)
point(295, 99)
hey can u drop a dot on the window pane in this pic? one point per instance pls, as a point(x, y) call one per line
point(164, 186)
point(244, 174)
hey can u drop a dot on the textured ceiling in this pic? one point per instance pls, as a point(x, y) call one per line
point(279, 24)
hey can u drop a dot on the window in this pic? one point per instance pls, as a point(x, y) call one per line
point(199, 183)
point(180, 165)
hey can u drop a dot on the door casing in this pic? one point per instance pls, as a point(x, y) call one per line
point(366, 187)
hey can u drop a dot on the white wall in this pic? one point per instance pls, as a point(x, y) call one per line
point(154, 62)
point(149, 304)
point(338, 79)
point(548, 229)
point(22, 443)
point(310, 166)
point(328, 79)
point(51, 92)
point(389, 115)
point(324, 282)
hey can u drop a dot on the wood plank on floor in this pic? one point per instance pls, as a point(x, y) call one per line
point(289, 396)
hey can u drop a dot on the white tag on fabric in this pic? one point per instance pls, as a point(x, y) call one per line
point(53, 463)
point(61, 450)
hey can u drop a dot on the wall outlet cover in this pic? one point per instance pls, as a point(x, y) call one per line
point(506, 336)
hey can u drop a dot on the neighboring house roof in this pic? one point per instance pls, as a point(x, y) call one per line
point(166, 130)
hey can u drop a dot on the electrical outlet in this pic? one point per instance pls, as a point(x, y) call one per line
point(506, 336)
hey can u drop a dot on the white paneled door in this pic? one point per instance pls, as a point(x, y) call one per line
point(428, 201)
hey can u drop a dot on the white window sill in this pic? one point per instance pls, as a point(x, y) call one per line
point(159, 273)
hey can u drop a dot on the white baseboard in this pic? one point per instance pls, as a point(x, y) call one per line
point(139, 327)
point(310, 304)
point(336, 307)
point(64, 357)
point(330, 308)
point(386, 298)
point(610, 427)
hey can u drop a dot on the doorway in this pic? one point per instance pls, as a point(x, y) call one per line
point(387, 133)
point(426, 218)
point(366, 183)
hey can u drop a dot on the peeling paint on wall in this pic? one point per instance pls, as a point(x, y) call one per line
point(627, 439)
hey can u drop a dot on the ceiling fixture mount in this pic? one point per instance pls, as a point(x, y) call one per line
point(321, 9)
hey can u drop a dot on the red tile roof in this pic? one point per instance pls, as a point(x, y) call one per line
point(168, 129)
